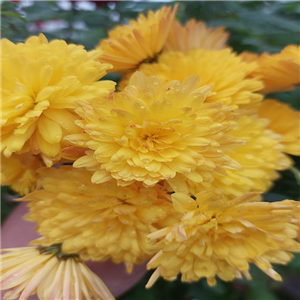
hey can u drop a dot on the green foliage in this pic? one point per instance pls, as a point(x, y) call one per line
point(161, 290)
point(291, 97)
point(255, 26)
point(9, 16)
point(260, 293)
point(6, 204)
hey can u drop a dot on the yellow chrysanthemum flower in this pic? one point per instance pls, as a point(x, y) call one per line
point(220, 238)
point(19, 171)
point(223, 70)
point(280, 71)
point(50, 274)
point(283, 120)
point(129, 46)
point(153, 131)
point(41, 81)
point(195, 35)
point(249, 56)
point(98, 221)
point(260, 159)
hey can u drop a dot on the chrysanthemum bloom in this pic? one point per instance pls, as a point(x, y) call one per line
point(98, 221)
point(128, 46)
point(195, 35)
point(220, 238)
point(249, 56)
point(283, 120)
point(41, 81)
point(153, 131)
point(280, 71)
point(50, 274)
point(223, 70)
point(260, 159)
point(19, 171)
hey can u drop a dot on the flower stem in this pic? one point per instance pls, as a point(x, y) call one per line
point(296, 173)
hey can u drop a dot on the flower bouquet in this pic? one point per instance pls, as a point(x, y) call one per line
point(167, 167)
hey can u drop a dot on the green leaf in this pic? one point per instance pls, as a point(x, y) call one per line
point(296, 173)
point(12, 14)
point(260, 292)
point(291, 97)
point(7, 206)
point(160, 290)
point(273, 197)
point(200, 290)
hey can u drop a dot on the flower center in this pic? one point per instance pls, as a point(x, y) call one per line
point(156, 138)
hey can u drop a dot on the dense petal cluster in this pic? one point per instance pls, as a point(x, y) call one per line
point(19, 171)
point(283, 120)
point(223, 70)
point(221, 238)
point(128, 46)
point(169, 169)
point(280, 71)
point(30, 270)
point(40, 83)
point(260, 159)
point(153, 131)
point(195, 35)
point(98, 221)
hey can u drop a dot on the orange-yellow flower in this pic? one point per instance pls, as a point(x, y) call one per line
point(153, 131)
point(98, 221)
point(195, 35)
point(283, 120)
point(40, 83)
point(223, 70)
point(280, 71)
point(50, 274)
point(128, 46)
point(261, 157)
point(249, 56)
point(220, 238)
point(19, 171)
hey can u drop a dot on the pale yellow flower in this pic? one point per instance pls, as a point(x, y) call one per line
point(19, 171)
point(128, 46)
point(223, 70)
point(283, 120)
point(220, 238)
point(41, 81)
point(261, 157)
point(195, 35)
point(153, 131)
point(50, 275)
point(98, 221)
point(280, 71)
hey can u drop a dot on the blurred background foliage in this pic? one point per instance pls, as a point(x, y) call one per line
point(255, 26)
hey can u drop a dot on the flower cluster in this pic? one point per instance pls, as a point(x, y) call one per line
point(41, 81)
point(153, 131)
point(43, 270)
point(220, 238)
point(129, 46)
point(222, 70)
point(168, 168)
point(122, 217)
